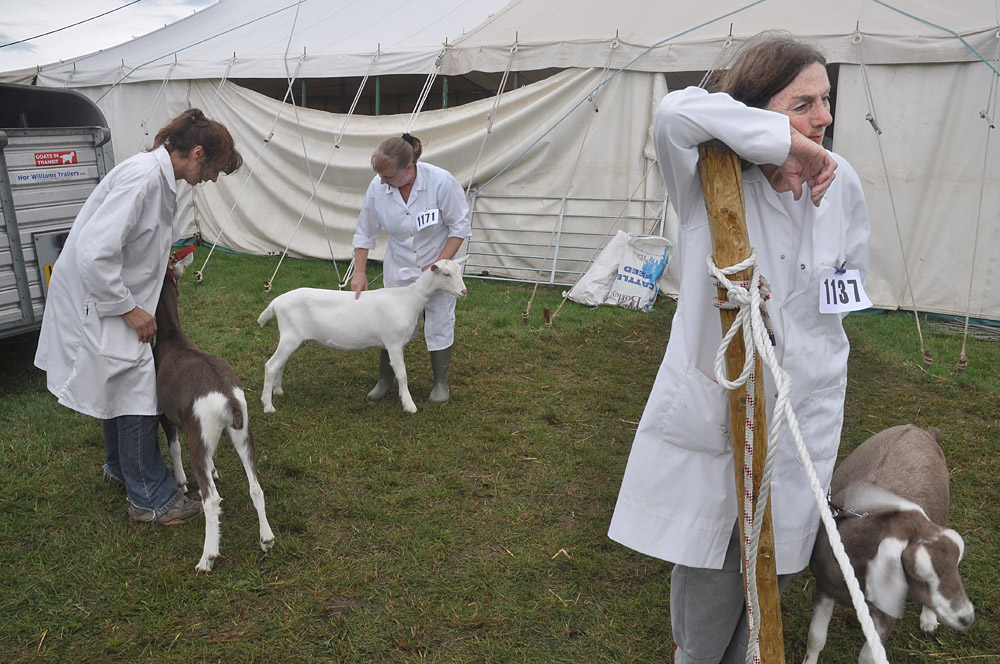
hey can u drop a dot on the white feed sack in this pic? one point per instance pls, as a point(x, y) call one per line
point(625, 274)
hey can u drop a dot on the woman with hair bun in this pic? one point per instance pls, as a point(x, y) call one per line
point(99, 320)
point(423, 210)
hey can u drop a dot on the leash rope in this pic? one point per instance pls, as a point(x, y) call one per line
point(749, 299)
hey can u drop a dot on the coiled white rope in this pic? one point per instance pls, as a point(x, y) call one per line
point(751, 317)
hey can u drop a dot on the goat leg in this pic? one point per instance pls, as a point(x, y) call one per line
point(822, 612)
point(243, 442)
point(174, 445)
point(396, 360)
point(275, 367)
point(211, 501)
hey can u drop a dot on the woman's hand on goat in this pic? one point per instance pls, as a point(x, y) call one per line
point(359, 283)
point(143, 324)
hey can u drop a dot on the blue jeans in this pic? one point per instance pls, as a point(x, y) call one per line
point(132, 454)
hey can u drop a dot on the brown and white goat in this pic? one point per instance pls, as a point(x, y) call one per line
point(894, 490)
point(201, 394)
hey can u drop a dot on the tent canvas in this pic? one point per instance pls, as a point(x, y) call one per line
point(923, 72)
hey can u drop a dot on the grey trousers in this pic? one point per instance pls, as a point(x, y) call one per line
point(708, 610)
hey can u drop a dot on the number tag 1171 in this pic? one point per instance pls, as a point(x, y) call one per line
point(840, 292)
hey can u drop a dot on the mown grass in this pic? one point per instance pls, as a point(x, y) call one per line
point(472, 532)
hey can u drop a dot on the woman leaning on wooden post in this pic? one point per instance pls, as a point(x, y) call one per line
point(806, 217)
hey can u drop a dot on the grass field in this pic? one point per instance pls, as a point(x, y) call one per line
point(471, 532)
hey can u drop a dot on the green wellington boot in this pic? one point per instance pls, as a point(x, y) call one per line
point(440, 359)
point(386, 376)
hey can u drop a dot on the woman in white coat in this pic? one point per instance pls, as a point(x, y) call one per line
point(423, 210)
point(99, 320)
point(806, 215)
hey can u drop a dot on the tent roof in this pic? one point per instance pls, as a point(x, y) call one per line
point(249, 38)
point(580, 33)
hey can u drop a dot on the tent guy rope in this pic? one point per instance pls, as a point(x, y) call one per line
point(986, 114)
point(341, 280)
point(199, 274)
point(557, 228)
point(491, 118)
point(873, 120)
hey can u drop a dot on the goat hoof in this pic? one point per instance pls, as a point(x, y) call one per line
point(266, 545)
point(205, 565)
point(268, 409)
point(410, 409)
point(929, 623)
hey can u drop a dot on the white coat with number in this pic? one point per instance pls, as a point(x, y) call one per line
point(418, 229)
point(678, 498)
point(114, 260)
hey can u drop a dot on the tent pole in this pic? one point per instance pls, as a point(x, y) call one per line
point(378, 95)
point(722, 184)
point(444, 92)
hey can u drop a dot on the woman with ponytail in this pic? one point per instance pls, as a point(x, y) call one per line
point(423, 210)
point(99, 313)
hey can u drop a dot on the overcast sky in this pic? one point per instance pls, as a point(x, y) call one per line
point(23, 19)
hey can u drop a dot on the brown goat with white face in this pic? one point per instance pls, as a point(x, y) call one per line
point(897, 482)
point(201, 394)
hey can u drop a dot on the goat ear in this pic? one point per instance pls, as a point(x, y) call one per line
point(957, 539)
point(434, 267)
point(885, 581)
point(462, 259)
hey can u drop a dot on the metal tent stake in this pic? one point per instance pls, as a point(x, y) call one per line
point(722, 184)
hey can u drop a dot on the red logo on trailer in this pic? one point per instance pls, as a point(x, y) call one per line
point(55, 158)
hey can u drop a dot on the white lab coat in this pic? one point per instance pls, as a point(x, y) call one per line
point(418, 229)
point(677, 500)
point(114, 260)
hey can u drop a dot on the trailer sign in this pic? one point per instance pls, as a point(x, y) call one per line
point(54, 174)
point(62, 158)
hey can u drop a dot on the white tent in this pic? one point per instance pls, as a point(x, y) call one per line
point(554, 177)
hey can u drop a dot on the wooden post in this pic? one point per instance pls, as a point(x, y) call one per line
point(722, 185)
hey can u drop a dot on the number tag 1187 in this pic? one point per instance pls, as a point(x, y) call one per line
point(840, 292)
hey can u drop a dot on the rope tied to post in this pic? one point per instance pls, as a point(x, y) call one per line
point(738, 295)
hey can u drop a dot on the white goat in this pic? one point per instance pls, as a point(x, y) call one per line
point(201, 394)
point(897, 482)
point(385, 318)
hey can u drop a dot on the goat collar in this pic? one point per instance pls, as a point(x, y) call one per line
point(182, 253)
point(840, 512)
point(174, 257)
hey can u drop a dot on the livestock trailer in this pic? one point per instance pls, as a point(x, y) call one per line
point(55, 146)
